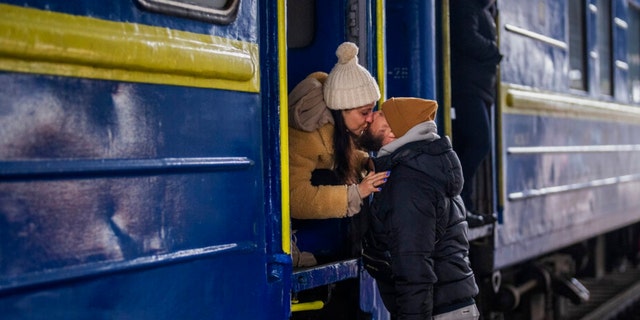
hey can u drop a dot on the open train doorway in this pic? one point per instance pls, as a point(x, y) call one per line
point(326, 279)
point(474, 77)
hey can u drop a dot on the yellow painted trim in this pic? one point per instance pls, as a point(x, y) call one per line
point(284, 128)
point(307, 306)
point(44, 42)
point(523, 100)
point(380, 42)
point(446, 61)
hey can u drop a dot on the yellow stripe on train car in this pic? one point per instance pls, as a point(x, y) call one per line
point(44, 42)
point(524, 100)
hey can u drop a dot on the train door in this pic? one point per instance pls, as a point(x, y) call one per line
point(315, 29)
point(419, 64)
point(472, 80)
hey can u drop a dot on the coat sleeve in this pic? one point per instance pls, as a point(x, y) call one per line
point(413, 234)
point(307, 153)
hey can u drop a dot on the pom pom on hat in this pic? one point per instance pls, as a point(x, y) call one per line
point(349, 85)
point(346, 52)
point(404, 113)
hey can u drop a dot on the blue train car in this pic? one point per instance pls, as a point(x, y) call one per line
point(570, 125)
point(568, 128)
point(563, 173)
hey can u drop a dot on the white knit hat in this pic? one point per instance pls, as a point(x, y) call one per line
point(349, 85)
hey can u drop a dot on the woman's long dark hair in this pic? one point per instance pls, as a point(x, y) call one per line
point(342, 149)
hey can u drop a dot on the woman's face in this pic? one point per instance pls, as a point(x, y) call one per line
point(358, 119)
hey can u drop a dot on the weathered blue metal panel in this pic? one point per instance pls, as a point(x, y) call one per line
point(534, 42)
point(567, 179)
point(134, 200)
point(307, 278)
point(411, 49)
point(117, 185)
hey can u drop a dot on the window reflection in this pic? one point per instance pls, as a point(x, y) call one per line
point(633, 45)
point(604, 46)
point(577, 49)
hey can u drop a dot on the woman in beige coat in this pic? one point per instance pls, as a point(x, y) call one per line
point(327, 114)
point(327, 172)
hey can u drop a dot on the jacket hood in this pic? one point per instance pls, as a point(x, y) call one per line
point(307, 109)
point(423, 131)
point(436, 159)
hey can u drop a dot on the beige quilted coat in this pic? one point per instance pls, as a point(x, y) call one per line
point(311, 147)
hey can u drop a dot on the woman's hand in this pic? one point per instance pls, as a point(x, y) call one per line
point(372, 182)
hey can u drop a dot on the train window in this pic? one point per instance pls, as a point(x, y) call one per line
point(577, 47)
point(633, 45)
point(604, 46)
point(216, 11)
point(300, 23)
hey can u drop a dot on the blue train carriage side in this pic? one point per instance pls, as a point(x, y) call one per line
point(139, 160)
point(566, 142)
point(567, 147)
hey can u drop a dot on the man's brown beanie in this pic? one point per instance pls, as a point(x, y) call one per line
point(404, 113)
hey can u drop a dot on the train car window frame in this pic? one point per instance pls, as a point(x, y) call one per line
point(205, 10)
point(604, 41)
point(577, 45)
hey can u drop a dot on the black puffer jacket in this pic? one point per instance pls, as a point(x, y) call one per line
point(421, 222)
